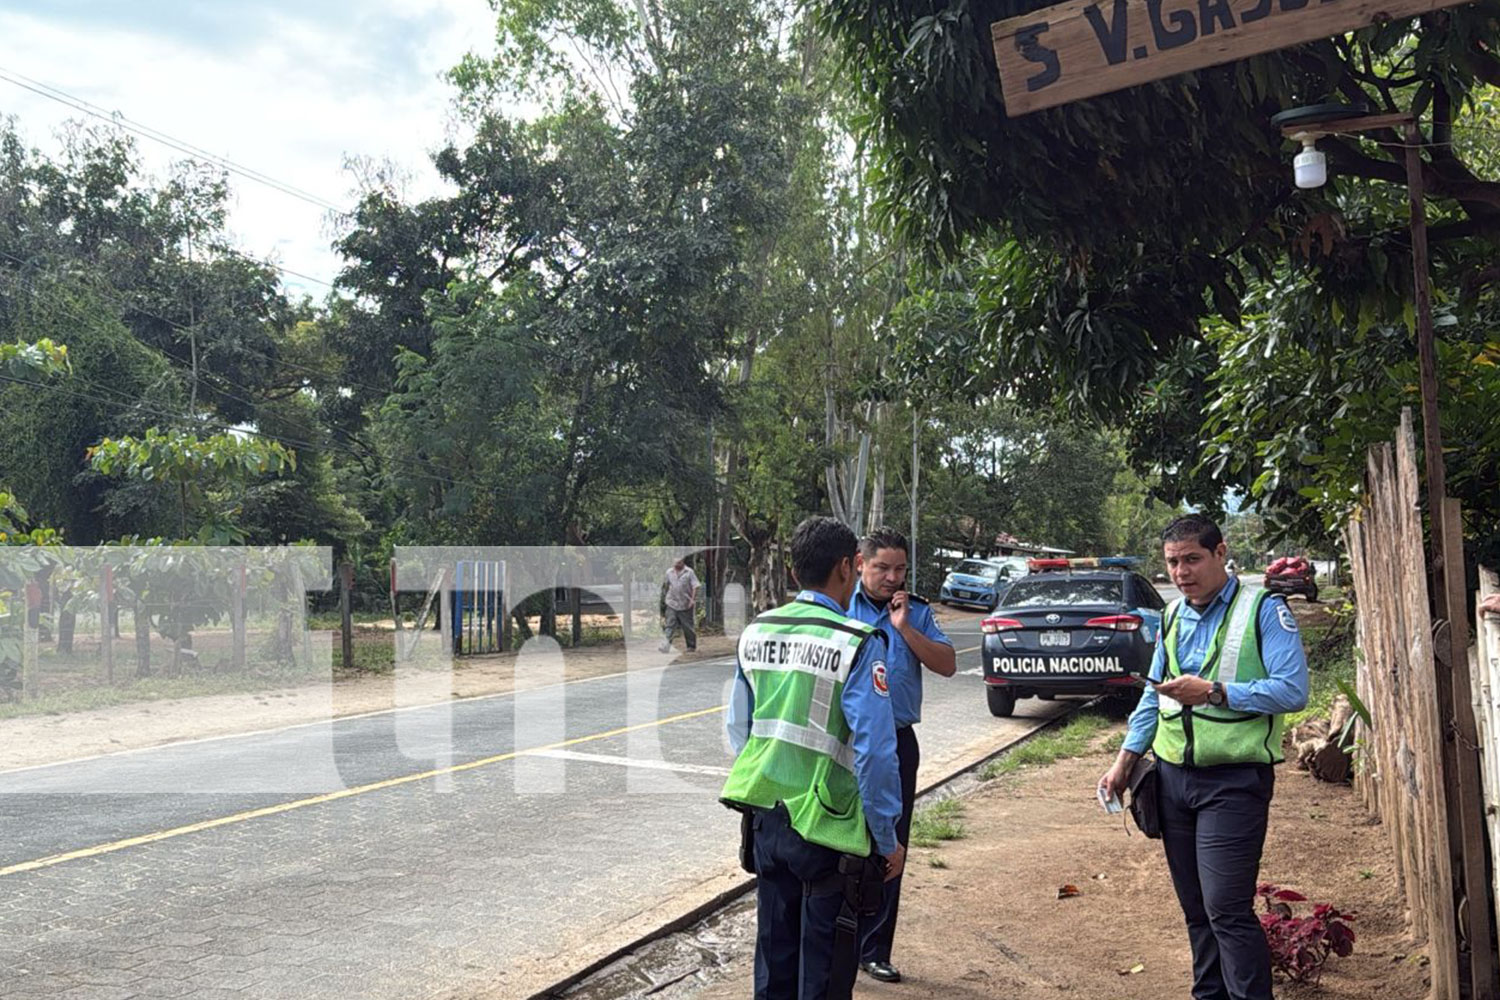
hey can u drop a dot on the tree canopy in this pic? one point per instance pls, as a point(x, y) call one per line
point(1091, 251)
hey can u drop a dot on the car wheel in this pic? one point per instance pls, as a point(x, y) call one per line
point(1002, 702)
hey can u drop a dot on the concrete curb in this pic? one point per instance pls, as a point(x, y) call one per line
point(723, 899)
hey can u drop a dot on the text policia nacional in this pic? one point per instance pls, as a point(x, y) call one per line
point(1058, 665)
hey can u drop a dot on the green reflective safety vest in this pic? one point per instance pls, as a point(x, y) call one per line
point(1205, 735)
point(797, 659)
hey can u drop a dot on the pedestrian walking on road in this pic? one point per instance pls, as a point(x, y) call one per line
point(1229, 665)
point(681, 588)
point(914, 643)
point(816, 775)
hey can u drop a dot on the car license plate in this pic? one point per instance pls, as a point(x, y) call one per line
point(1056, 639)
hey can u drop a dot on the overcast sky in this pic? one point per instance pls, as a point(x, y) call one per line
point(287, 87)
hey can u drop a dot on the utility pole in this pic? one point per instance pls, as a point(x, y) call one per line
point(192, 332)
point(916, 473)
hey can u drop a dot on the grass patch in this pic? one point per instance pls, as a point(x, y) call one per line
point(333, 620)
point(936, 862)
point(1072, 740)
point(1115, 742)
point(374, 651)
point(943, 820)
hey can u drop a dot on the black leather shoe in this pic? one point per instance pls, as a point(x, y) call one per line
point(883, 971)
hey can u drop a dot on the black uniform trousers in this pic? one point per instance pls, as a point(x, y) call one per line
point(1213, 823)
point(877, 937)
point(794, 931)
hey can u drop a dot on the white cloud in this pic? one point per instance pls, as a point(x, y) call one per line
point(288, 89)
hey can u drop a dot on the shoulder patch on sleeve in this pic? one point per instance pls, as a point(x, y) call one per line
point(879, 678)
point(1284, 616)
point(918, 598)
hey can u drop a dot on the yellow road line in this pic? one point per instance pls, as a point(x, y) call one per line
point(343, 793)
point(969, 650)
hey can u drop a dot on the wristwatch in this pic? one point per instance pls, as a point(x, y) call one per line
point(1216, 696)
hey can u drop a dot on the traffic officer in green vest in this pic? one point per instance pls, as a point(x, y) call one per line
point(1230, 664)
point(914, 644)
point(810, 719)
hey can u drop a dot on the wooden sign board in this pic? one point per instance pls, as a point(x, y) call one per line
point(1088, 47)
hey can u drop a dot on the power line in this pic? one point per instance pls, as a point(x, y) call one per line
point(294, 443)
point(69, 310)
point(131, 403)
point(123, 304)
point(119, 120)
point(191, 420)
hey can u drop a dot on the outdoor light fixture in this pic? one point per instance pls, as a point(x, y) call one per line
point(1309, 167)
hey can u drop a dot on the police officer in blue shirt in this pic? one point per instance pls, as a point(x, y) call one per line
point(806, 935)
point(1216, 742)
point(914, 642)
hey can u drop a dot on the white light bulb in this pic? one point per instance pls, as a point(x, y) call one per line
point(1310, 167)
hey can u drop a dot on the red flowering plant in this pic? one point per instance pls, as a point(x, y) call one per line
point(1300, 945)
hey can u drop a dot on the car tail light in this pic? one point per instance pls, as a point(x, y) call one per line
point(992, 625)
point(1120, 623)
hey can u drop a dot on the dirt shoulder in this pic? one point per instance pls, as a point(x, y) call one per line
point(29, 741)
point(989, 924)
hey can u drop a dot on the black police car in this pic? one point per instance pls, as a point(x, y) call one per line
point(1070, 629)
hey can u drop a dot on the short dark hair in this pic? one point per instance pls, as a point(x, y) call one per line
point(883, 538)
point(1193, 528)
point(817, 546)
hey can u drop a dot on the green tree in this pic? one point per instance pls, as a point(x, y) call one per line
point(203, 472)
point(597, 260)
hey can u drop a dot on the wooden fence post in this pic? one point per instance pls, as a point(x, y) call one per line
point(1485, 667)
point(577, 594)
point(346, 616)
point(627, 604)
point(445, 614)
point(106, 622)
point(1462, 741)
point(30, 641)
point(504, 606)
point(237, 619)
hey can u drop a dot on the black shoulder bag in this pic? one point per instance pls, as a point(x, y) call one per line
point(1145, 798)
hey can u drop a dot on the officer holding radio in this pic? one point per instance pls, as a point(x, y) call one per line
point(1229, 665)
point(816, 775)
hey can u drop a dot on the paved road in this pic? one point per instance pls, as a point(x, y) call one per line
point(482, 848)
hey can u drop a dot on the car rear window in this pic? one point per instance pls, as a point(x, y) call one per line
point(1062, 590)
point(984, 571)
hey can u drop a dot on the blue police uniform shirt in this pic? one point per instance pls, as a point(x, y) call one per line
point(1282, 690)
point(900, 662)
point(868, 711)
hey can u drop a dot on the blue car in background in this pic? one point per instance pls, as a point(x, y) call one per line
point(980, 583)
